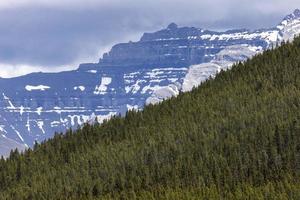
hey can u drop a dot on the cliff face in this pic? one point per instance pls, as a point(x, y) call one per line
point(159, 66)
point(178, 47)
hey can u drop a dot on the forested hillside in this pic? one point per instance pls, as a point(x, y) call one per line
point(234, 137)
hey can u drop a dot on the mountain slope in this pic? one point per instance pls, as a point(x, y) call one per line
point(6, 145)
point(235, 136)
point(159, 66)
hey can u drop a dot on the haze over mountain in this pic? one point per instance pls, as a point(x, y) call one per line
point(157, 67)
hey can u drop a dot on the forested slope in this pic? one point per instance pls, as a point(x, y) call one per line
point(234, 137)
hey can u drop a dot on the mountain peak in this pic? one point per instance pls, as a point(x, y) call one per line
point(294, 15)
point(172, 26)
point(297, 12)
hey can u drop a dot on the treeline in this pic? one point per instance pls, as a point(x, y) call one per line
point(234, 137)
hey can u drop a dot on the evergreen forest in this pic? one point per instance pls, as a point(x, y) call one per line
point(236, 136)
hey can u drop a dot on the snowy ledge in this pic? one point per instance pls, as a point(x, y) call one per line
point(38, 87)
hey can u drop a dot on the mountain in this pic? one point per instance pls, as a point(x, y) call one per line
point(236, 136)
point(159, 66)
point(6, 145)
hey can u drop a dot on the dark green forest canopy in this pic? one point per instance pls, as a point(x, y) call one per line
point(234, 137)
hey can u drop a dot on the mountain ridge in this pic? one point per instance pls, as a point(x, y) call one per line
point(159, 66)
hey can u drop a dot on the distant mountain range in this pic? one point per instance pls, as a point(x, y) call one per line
point(159, 66)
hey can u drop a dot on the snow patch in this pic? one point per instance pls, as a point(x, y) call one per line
point(39, 110)
point(289, 28)
point(81, 119)
point(197, 74)
point(17, 132)
point(38, 87)
point(40, 125)
point(134, 107)
point(81, 88)
point(163, 93)
point(151, 88)
point(55, 123)
point(102, 88)
point(2, 129)
point(28, 124)
point(21, 110)
point(11, 106)
point(135, 87)
point(92, 71)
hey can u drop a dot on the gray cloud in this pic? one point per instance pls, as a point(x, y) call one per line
point(48, 34)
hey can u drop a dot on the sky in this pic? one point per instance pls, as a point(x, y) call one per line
point(58, 35)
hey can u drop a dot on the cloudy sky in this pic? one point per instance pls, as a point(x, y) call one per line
point(55, 35)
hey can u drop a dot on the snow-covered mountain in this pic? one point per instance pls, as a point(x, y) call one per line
point(160, 65)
